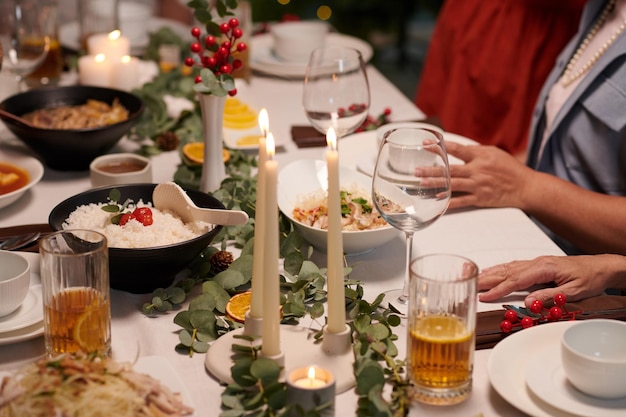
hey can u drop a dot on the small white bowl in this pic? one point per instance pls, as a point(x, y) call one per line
point(120, 168)
point(593, 355)
point(305, 177)
point(31, 165)
point(14, 281)
point(294, 41)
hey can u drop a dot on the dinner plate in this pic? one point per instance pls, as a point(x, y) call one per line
point(360, 149)
point(263, 60)
point(29, 313)
point(232, 136)
point(509, 359)
point(546, 379)
point(69, 34)
point(32, 165)
point(26, 333)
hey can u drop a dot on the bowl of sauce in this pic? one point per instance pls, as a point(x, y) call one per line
point(120, 168)
point(18, 173)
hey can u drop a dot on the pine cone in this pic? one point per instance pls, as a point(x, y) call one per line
point(167, 141)
point(220, 261)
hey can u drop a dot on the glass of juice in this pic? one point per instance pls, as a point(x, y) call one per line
point(76, 296)
point(441, 328)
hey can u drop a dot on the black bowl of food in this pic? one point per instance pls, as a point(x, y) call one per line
point(141, 257)
point(69, 126)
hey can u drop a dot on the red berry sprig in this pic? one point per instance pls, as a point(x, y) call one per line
point(217, 56)
point(516, 319)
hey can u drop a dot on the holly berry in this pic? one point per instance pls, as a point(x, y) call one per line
point(226, 68)
point(559, 299)
point(195, 32)
point(209, 41)
point(232, 92)
point(555, 313)
point(233, 22)
point(506, 326)
point(527, 322)
point(224, 28)
point(237, 33)
point(241, 46)
point(198, 79)
point(511, 316)
point(189, 61)
point(536, 306)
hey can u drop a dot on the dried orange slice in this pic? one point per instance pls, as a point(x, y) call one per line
point(194, 152)
point(238, 305)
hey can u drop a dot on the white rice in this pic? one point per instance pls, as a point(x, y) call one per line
point(166, 229)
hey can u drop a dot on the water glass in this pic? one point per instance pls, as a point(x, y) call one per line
point(76, 299)
point(441, 328)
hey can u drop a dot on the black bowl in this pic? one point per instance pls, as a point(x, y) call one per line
point(69, 150)
point(142, 270)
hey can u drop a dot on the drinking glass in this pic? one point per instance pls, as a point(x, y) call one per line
point(75, 286)
point(23, 36)
point(336, 90)
point(441, 328)
point(410, 189)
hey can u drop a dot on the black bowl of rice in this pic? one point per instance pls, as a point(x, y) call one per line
point(71, 125)
point(141, 258)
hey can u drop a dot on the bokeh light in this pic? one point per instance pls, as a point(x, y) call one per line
point(324, 12)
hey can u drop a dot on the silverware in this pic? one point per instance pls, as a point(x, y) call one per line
point(19, 241)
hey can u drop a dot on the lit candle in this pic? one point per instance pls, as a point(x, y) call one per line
point(311, 380)
point(256, 304)
point(113, 45)
point(271, 289)
point(125, 73)
point(310, 388)
point(94, 70)
point(334, 274)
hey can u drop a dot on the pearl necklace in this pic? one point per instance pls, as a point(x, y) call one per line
point(569, 76)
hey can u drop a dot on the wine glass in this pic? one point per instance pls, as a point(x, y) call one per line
point(23, 37)
point(336, 90)
point(410, 189)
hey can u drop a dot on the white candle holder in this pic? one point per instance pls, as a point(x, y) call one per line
point(300, 350)
point(253, 326)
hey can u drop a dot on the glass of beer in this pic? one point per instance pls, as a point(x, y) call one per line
point(441, 328)
point(76, 300)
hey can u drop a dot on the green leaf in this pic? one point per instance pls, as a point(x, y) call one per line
point(265, 369)
point(218, 293)
point(230, 279)
point(203, 302)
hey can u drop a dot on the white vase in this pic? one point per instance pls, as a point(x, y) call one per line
point(213, 170)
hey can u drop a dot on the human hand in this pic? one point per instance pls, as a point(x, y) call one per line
point(490, 177)
point(577, 277)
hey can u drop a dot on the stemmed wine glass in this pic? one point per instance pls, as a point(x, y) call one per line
point(336, 90)
point(410, 189)
point(23, 37)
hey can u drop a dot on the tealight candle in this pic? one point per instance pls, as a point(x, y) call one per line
point(94, 70)
point(113, 45)
point(312, 387)
point(125, 73)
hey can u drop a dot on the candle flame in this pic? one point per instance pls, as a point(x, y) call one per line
point(311, 372)
point(264, 122)
point(115, 35)
point(99, 58)
point(331, 139)
point(269, 146)
point(126, 59)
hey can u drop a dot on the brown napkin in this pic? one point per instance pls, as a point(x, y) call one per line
point(488, 332)
point(18, 230)
point(307, 137)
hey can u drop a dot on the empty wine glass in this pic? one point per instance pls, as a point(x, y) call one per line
point(410, 189)
point(336, 90)
point(23, 37)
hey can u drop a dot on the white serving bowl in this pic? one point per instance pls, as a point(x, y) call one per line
point(14, 281)
point(593, 353)
point(294, 41)
point(31, 165)
point(307, 176)
point(102, 170)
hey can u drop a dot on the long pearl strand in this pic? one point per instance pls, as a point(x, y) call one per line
point(568, 75)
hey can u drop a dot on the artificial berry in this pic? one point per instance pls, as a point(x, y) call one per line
point(241, 46)
point(536, 306)
point(233, 22)
point(195, 47)
point(511, 316)
point(195, 32)
point(237, 33)
point(226, 68)
point(387, 111)
point(527, 322)
point(226, 44)
point(506, 326)
point(189, 61)
point(126, 217)
point(232, 92)
point(237, 63)
point(559, 299)
point(211, 62)
point(222, 51)
point(555, 313)
point(198, 79)
point(143, 215)
point(224, 28)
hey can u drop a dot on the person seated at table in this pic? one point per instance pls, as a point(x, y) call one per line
point(574, 180)
point(486, 63)
point(578, 277)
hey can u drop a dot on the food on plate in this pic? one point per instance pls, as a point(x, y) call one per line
point(166, 228)
point(238, 115)
point(94, 113)
point(86, 386)
point(356, 211)
point(12, 178)
point(194, 152)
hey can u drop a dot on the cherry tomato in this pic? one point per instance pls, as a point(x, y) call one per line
point(143, 215)
point(126, 217)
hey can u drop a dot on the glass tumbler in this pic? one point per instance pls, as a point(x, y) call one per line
point(76, 299)
point(441, 328)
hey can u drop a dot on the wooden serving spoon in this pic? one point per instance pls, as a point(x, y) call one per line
point(169, 196)
point(16, 118)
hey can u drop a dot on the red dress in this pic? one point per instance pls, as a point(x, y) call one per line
point(487, 61)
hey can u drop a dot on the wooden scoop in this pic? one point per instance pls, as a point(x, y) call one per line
point(169, 196)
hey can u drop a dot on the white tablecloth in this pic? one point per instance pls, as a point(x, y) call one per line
point(486, 236)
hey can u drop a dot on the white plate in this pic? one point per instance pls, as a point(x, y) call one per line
point(69, 34)
point(263, 60)
point(29, 313)
point(21, 335)
point(359, 150)
point(232, 136)
point(546, 379)
point(511, 357)
point(160, 368)
point(32, 165)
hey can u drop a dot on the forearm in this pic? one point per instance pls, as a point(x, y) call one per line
point(594, 222)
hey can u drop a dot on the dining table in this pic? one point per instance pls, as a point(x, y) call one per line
point(486, 236)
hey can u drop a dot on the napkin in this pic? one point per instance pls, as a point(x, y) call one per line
point(488, 332)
